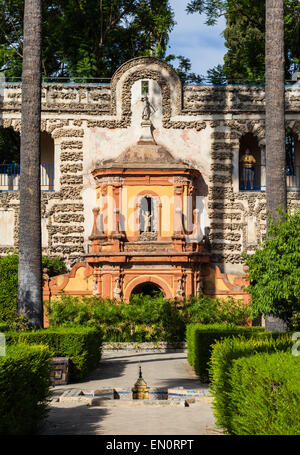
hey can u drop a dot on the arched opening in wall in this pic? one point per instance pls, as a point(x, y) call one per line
point(147, 218)
point(250, 166)
point(147, 288)
point(292, 147)
point(47, 162)
point(9, 159)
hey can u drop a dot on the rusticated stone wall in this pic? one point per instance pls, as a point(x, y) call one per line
point(202, 125)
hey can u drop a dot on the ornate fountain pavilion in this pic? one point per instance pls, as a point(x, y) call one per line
point(143, 186)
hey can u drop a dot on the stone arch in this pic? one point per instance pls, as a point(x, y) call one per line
point(146, 68)
point(257, 128)
point(15, 124)
point(147, 279)
point(146, 288)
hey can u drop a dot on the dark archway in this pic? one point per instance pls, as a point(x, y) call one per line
point(250, 173)
point(147, 288)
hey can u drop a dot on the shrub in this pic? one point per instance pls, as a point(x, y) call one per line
point(224, 353)
point(200, 339)
point(207, 310)
point(145, 318)
point(24, 389)
point(265, 395)
point(274, 271)
point(4, 327)
point(9, 283)
point(81, 344)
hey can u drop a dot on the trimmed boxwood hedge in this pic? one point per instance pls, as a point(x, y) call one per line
point(24, 389)
point(265, 395)
point(224, 353)
point(81, 344)
point(201, 337)
point(3, 327)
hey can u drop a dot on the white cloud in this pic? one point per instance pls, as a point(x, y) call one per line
point(192, 38)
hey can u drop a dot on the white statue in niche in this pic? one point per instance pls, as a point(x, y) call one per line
point(117, 289)
point(147, 220)
point(199, 287)
point(148, 109)
point(180, 290)
point(95, 287)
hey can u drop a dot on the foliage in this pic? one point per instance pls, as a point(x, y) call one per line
point(183, 69)
point(216, 75)
point(88, 39)
point(24, 389)
point(244, 36)
point(274, 271)
point(207, 310)
point(145, 318)
point(81, 344)
point(265, 395)
point(201, 338)
point(224, 353)
point(9, 285)
point(3, 327)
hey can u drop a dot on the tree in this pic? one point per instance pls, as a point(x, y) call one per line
point(30, 302)
point(87, 38)
point(244, 36)
point(216, 75)
point(274, 271)
point(275, 109)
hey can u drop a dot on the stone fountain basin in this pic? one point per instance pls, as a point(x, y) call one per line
point(123, 397)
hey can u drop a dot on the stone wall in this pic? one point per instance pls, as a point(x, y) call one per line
point(202, 125)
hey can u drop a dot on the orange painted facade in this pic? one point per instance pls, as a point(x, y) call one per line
point(160, 246)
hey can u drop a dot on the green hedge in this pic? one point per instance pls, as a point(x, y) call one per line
point(145, 319)
point(24, 389)
point(4, 327)
point(81, 344)
point(200, 339)
point(224, 353)
point(9, 282)
point(265, 395)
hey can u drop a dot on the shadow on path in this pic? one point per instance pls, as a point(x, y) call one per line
point(74, 420)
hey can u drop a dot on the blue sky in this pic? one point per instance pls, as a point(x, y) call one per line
point(202, 44)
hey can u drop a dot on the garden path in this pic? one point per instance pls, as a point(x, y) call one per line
point(120, 369)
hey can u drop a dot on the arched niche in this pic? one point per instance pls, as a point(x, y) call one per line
point(10, 160)
point(47, 162)
point(250, 173)
point(147, 288)
point(292, 147)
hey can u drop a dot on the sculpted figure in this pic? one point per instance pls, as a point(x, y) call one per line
point(148, 109)
point(147, 221)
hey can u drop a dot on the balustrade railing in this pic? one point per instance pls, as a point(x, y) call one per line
point(254, 179)
point(10, 177)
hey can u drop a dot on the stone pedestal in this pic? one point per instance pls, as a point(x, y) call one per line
point(59, 370)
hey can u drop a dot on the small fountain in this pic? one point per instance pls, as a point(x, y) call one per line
point(138, 395)
point(140, 391)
